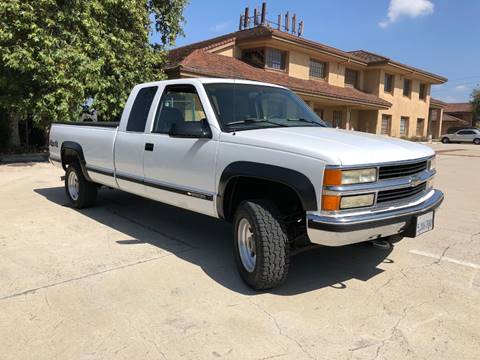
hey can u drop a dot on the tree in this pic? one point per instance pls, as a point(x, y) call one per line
point(55, 54)
point(475, 101)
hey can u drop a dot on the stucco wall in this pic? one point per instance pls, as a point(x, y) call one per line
point(409, 106)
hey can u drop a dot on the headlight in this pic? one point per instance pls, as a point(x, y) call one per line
point(347, 177)
point(431, 165)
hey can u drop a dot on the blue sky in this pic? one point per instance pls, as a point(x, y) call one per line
point(441, 36)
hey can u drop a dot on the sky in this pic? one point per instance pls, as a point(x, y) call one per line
point(440, 36)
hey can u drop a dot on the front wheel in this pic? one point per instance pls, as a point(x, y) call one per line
point(261, 244)
point(81, 192)
point(476, 141)
point(445, 140)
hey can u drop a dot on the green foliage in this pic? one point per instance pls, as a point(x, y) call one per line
point(54, 54)
point(475, 101)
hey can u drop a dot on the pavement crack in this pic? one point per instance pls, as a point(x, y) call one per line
point(280, 331)
point(33, 290)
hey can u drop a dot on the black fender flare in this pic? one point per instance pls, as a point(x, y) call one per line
point(75, 149)
point(297, 181)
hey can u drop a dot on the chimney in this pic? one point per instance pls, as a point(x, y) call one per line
point(287, 22)
point(246, 18)
point(264, 13)
point(240, 25)
point(294, 23)
point(255, 17)
point(300, 28)
point(279, 22)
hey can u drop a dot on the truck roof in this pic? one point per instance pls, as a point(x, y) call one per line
point(206, 80)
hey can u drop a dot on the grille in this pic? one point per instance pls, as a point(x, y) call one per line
point(394, 171)
point(399, 194)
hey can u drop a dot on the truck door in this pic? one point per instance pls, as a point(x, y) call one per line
point(181, 171)
point(130, 140)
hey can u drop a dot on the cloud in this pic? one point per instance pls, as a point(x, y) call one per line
point(407, 8)
point(461, 87)
point(220, 27)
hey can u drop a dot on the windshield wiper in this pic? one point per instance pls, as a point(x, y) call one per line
point(249, 120)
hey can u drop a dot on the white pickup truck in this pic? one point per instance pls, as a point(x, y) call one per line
point(256, 155)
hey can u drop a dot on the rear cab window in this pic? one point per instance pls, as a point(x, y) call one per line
point(140, 109)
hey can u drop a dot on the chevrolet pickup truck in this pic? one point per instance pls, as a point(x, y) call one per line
point(256, 155)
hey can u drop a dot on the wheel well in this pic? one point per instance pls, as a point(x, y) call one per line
point(69, 156)
point(243, 188)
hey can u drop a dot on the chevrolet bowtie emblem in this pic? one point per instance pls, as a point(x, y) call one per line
point(414, 181)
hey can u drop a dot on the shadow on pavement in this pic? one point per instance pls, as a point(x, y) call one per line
point(207, 242)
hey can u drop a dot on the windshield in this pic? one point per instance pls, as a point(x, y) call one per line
point(245, 107)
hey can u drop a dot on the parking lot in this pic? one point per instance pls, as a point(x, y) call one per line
point(135, 279)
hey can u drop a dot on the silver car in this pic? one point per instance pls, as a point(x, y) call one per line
point(465, 135)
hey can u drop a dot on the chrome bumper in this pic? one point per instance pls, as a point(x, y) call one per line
point(349, 229)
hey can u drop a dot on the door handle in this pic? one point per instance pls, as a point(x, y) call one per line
point(148, 147)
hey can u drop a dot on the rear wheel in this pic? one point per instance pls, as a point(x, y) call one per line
point(476, 141)
point(81, 192)
point(261, 244)
point(445, 140)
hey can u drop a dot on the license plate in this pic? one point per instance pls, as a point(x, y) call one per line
point(424, 223)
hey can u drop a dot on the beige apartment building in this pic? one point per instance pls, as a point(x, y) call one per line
point(355, 90)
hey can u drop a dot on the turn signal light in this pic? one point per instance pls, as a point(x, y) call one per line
point(332, 177)
point(330, 202)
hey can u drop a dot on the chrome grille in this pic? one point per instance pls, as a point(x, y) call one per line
point(399, 194)
point(394, 171)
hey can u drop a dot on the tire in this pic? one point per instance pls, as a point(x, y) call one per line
point(84, 193)
point(261, 222)
point(445, 140)
point(476, 141)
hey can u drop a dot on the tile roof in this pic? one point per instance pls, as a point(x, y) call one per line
point(448, 117)
point(375, 59)
point(201, 62)
point(437, 102)
point(458, 107)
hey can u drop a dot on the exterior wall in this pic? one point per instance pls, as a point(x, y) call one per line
point(299, 65)
point(411, 106)
point(336, 74)
point(370, 81)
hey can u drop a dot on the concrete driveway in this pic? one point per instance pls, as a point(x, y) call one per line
point(135, 279)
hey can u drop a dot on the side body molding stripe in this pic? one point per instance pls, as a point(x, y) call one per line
point(291, 178)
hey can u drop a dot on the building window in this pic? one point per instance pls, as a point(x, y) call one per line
point(403, 126)
point(318, 69)
point(275, 59)
point(386, 124)
point(407, 87)
point(434, 114)
point(255, 57)
point(388, 83)
point(351, 77)
point(420, 125)
point(422, 92)
point(319, 112)
point(337, 119)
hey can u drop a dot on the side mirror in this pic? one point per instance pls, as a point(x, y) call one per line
point(191, 129)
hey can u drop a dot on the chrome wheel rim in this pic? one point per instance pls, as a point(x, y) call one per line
point(73, 186)
point(246, 245)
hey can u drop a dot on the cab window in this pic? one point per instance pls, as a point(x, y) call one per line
point(140, 109)
point(179, 103)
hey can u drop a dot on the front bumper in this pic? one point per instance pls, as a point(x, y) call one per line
point(343, 230)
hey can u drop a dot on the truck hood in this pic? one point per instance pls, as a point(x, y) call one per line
point(334, 146)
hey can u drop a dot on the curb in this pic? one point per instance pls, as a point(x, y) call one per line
point(23, 158)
